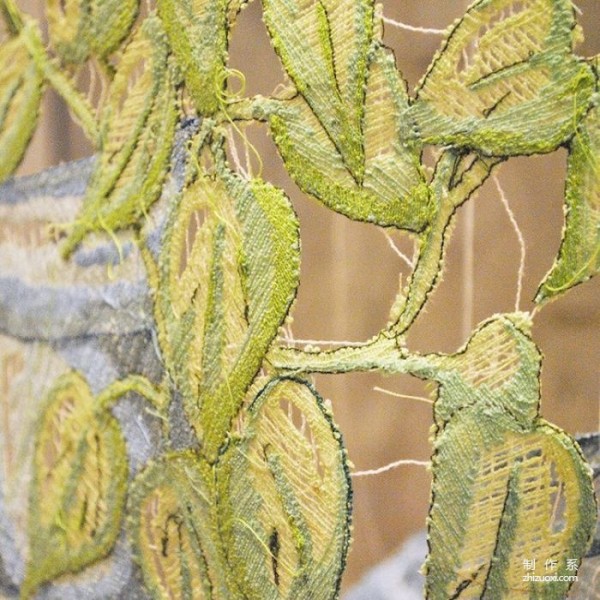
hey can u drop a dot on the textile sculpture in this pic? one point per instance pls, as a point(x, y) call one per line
point(179, 450)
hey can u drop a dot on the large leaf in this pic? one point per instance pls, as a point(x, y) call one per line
point(79, 27)
point(579, 255)
point(20, 96)
point(285, 498)
point(172, 526)
point(510, 491)
point(197, 31)
point(505, 81)
point(139, 125)
point(345, 138)
point(79, 484)
point(222, 295)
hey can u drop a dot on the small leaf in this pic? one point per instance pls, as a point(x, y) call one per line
point(579, 255)
point(345, 138)
point(171, 527)
point(505, 81)
point(20, 96)
point(224, 295)
point(197, 31)
point(139, 124)
point(110, 22)
point(79, 484)
point(392, 188)
point(508, 487)
point(286, 498)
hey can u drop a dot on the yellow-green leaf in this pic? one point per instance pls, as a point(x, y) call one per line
point(505, 81)
point(20, 96)
point(286, 498)
point(508, 487)
point(579, 255)
point(172, 527)
point(391, 188)
point(79, 484)
point(228, 272)
point(139, 124)
point(197, 31)
point(110, 22)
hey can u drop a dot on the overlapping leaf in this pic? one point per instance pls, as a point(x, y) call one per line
point(172, 526)
point(197, 31)
point(579, 255)
point(505, 81)
point(20, 96)
point(223, 294)
point(286, 498)
point(508, 487)
point(79, 27)
point(79, 484)
point(139, 124)
point(345, 138)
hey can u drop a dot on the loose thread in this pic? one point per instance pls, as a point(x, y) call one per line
point(398, 395)
point(397, 251)
point(427, 30)
point(391, 466)
point(521, 239)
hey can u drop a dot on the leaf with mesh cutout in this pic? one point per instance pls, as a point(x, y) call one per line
point(80, 27)
point(197, 31)
point(138, 129)
point(505, 81)
point(171, 524)
point(345, 138)
point(221, 296)
point(508, 487)
point(286, 497)
point(79, 484)
point(579, 255)
point(20, 95)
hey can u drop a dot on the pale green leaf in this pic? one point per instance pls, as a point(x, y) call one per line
point(579, 255)
point(286, 498)
point(110, 22)
point(20, 96)
point(139, 124)
point(505, 81)
point(508, 487)
point(391, 189)
point(197, 31)
point(171, 525)
point(227, 274)
point(79, 484)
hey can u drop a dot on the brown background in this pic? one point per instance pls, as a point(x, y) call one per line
point(350, 277)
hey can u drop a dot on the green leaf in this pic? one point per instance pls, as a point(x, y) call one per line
point(286, 498)
point(197, 31)
point(20, 96)
point(78, 28)
point(508, 487)
point(391, 189)
point(345, 137)
point(139, 124)
point(579, 254)
point(222, 294)
point(79, 484)
point(172, 525)
point(505, 81)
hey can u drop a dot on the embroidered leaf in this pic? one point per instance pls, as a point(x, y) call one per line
point(579, 256)
point(20, 96)
point(140, 122)
point(197, 31)
point(508, 486)
point(346, 139)
point(171, 527)
point(222, 297)
point(391, 189)
point(79, 484)
point(110, 22)
point(505, 81)
point(286, 515)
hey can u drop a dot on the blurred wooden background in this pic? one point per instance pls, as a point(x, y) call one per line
point(350, 276)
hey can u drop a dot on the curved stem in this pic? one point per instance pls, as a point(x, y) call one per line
point(155, 395)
